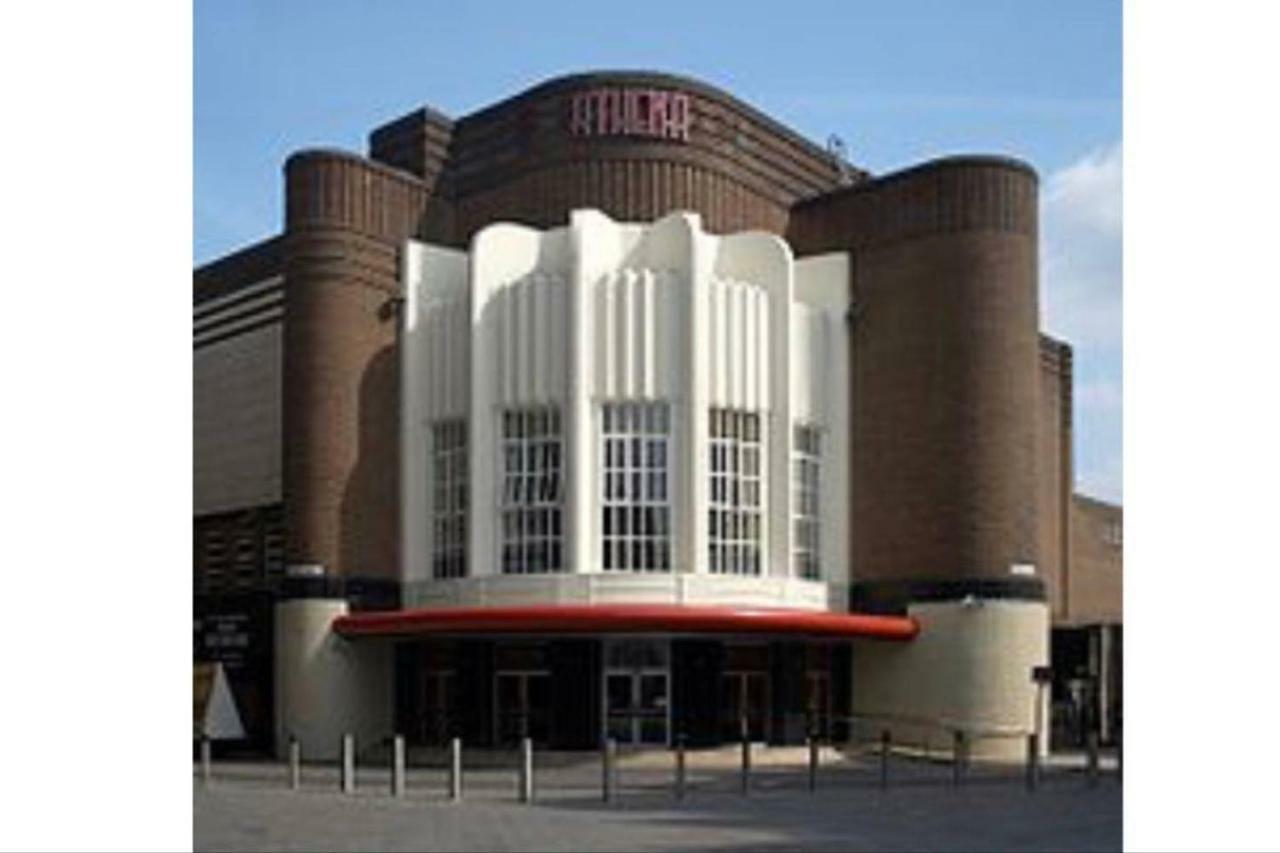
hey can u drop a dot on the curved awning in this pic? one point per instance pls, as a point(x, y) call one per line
point(623, 619)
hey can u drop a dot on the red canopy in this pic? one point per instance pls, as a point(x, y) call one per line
point(622, 619)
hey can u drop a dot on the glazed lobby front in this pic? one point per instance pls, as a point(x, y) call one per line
point(568, 692)
point(617, 408)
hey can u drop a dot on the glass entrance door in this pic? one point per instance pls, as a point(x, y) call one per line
point(522, 707)
point(744, 694)
point(437, 702)
point(818, 703)
point(636, 706)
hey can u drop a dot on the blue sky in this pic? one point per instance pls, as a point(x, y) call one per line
point(899, 82)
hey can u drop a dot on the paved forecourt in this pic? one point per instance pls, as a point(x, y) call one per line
point(249, 807)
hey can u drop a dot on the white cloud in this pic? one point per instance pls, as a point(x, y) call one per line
point(1081, 254)
point(1082, 296)
point(1088, 192)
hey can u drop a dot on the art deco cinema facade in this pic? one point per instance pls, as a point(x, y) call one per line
point(619, 408)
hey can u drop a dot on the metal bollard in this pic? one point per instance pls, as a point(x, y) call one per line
point(295, 764)
point(206, 759)
point(746, 758)
point(455, 769)
point(680, 780)
point(813, 763)
point(1091, 772)
point(397, 766)
point(1033, 761)
point(348, 770)
point(608, 755)
point(959, 757)
point(884, 760)
point(526, 770)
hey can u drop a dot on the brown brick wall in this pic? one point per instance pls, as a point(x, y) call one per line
point(245, 267)
point(945, 362)
point(345, 220)
point(241, 549)
point(516, 160)
point(1056, 469)
point(1096, 592)
point(627, 190)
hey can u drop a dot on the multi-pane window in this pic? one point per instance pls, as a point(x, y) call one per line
point(635, 487)
point(1114, 534)
point(532, 491)
point(805, 468)
point(449, 504)
point(736, 490)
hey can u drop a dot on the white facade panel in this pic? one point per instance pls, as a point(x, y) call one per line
point(635, 348)
point(602, 313)
point(822, 370)
point(435, 355)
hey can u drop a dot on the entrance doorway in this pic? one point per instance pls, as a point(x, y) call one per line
point(744, 694)
point(637, 706)
point(522, 706)
point(437, 701)
point(637, 691)
point(818, 704)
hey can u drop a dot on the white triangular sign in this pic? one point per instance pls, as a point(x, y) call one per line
point(221, 719)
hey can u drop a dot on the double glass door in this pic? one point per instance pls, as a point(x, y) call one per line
point(523, 707)
point(637, 705)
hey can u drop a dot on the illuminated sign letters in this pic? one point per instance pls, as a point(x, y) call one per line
point(654, 113)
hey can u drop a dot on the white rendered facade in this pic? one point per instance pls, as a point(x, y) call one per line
point(630, 396)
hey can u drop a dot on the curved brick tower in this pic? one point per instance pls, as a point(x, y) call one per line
point(345, 220)
point(945, 357)
point(945, 361)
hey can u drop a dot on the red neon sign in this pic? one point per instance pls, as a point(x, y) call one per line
point(654, 113)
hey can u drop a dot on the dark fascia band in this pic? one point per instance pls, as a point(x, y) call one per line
point(892, 597)
point(361, 593)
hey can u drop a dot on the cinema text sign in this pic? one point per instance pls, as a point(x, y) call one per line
point(622, 111)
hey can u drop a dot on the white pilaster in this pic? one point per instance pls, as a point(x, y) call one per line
point(694, 449)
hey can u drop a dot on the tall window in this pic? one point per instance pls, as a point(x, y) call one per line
point(449, 507)
point(805, 467)
point(736, 484)
point(635, 485)
point(532, 492)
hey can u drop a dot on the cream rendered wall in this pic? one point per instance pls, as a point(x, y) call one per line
point(435, 357)
point(969, 667)
point(751, 366)
point(820, 395)
point(516, 276)
point(633, 345)
point(601, 311)
point(326, 686)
